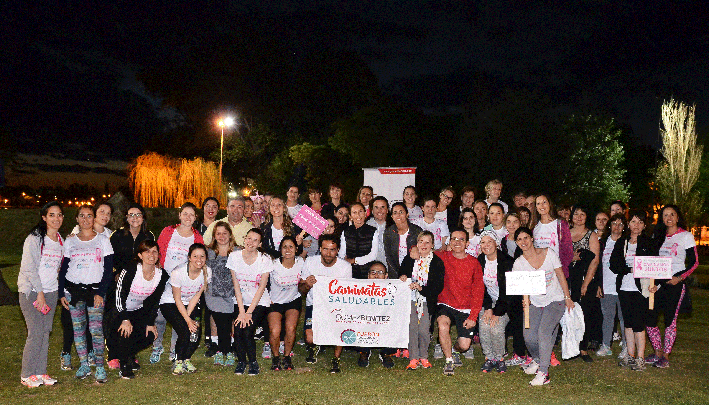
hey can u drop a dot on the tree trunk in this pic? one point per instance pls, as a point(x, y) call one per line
point(7, 296)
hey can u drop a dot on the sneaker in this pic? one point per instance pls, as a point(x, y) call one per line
point(604, 351)
point(282, 348)
point(83, 371)
point(101, 376)
point(387, 361)
point(470, 354)
point(638, 364)
point(32, 381)
point(626, 362)
point(413, 364)
point(531, 368)
point(437, 352)
point(114, 364)
point(266, 353)
point(126, 371)
point(173, 357)
point(456, 360)
point(286, 364)
point(335, 365)
point(488, 366)
point(623, 352)
point(240, 368)
point(540, 379)
point(425, 363)
point(47, 380)
point(405, 353)
point(254, 368)
point(155, 355)
point(662, 363)
point(65, 361)
point(515, 361)
point(449, 368)
point(363, 360)
point(178, 368)
point(218, 359)
point(211, 351)
point(92, 359)
point(554, 361)
point(230, 359)
point(189, 366)
point(313, 350)
point(276, 363)
point(651, 359)
point(501, 366)
point(616, 336)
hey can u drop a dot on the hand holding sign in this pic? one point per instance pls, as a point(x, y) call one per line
point(310, 221)
point(526, 283)
point(653, 268)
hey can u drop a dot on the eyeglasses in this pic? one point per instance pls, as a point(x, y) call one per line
point(134, 215)
point(377, 272)
point(450, 197)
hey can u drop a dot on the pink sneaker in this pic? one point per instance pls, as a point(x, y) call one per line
point(425, 363)
point(554, 362)
point(114, 364)
point(405, 353)
point(32, 381)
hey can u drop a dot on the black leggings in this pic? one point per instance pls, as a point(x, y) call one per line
point(515, 327)
point(183, 347)
point(125, 349)
point(244, 337)
point(223, 322)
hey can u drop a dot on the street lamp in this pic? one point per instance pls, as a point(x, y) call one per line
point(227, 122)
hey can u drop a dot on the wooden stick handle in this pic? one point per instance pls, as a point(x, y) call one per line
point(526, 311)
point(651, 300)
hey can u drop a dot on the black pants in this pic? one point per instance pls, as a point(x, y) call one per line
point(223, 322)
point(591, 306)
point(244, 336)
point(123, 348)
point(183, 347)
point(68, 332)
point(515, 327)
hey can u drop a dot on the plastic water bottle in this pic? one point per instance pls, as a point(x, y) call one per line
point(194, 336)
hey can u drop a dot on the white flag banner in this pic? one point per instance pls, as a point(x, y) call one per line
point(390, 181)
point(367, 313)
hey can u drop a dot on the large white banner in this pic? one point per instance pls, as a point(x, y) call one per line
point(367, 313)
point(390, 181)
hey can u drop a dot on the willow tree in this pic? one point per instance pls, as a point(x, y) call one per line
point(161, 181)
point(678, 172)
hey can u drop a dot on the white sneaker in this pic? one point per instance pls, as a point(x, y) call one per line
point(437, 352)
point(540, 379)
point(266, 353)
point(623, 352)
point(531, 368)
point(47, 380)
point(32, 381)
point(604, 351)
point(470, 354)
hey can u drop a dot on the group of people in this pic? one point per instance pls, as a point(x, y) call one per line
point(232, 276)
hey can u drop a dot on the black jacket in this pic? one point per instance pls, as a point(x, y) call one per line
point(617, 260)
point(124, 247)
point(434, 286)
point(391, 247)
point(504, 264)
point(267, 243)
point(116, 300)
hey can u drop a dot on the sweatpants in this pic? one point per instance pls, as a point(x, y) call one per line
point(541, 335)
point(125, 348)
point(223, 321)
point(244, 336)
point(492, 338)
point(610, 305)
point(160, 326)
point(79, 314)
point(184, 349)
point(419, 333)
point(668, 299)
point(34, 356)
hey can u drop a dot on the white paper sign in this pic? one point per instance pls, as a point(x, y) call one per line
point(526, 282)
point(367, 313)
point(652, 267)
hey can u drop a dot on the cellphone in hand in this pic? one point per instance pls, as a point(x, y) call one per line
point(45, 309)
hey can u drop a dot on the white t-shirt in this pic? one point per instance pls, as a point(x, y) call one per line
point(284, 282)
point(249, 276)
point(49, 264)
point(547, 236)
point(490, 279)
point(554, 290)
point(277, 236)
point(403, 247)
point(438, 228)
point(314, 267)
point(415, 213)
point(609, 277)
point(442, 215)
point(676, 246)
point(177, 251)
point(628, 282)
point(86, 258)
point(293, 211)
point(140, 288)
point(106, 232)
point(188, 287)
point(473, 248)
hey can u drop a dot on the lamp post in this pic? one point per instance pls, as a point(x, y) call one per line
point(227, 122)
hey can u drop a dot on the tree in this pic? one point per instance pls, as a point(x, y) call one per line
point(678, 172)
point(595, 172)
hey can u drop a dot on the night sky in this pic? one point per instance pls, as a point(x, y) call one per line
point(72, 74)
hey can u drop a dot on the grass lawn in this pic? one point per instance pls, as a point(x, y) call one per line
point(574, 382)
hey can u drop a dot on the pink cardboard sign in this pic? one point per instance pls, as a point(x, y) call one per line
point(310, 221)
point(657, 268)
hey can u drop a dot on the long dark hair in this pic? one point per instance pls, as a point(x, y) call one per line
point(126, 225)
point(660, 231)
point(40, 230)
